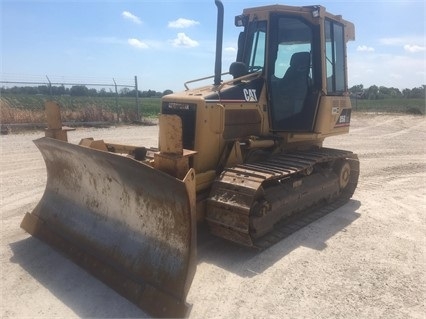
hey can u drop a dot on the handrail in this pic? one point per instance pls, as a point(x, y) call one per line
point(239, 79)
point(201, 79)
point(224, 83)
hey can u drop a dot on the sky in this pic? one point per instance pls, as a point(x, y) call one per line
point(168, 42)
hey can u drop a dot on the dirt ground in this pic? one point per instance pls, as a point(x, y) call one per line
point(364, 260)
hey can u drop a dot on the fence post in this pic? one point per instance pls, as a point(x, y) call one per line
point(137, 97)
point(50, 85)
point(116, 101)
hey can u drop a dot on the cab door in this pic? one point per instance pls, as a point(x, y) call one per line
point(293, 77)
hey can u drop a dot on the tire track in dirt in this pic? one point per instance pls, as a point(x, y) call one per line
point(23, 198)
point(374, 126)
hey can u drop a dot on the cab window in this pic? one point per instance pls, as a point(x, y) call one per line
point(256, 60)
point(335, 57)
point(291, 79)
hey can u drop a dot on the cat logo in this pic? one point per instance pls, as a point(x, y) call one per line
point(250, 95)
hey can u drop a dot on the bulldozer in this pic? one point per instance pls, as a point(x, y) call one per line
point(243, 155)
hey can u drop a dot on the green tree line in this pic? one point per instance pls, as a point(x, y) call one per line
point(375, 92)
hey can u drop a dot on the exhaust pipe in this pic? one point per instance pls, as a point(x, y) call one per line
point(219, 41)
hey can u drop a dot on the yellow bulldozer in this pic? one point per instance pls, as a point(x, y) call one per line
point(243, 155)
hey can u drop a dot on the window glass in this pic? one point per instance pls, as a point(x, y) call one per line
point(335, 58)
point(285, 51)
point(293, 36)
point(291, 82)
point(257, 55)
point(339, 54)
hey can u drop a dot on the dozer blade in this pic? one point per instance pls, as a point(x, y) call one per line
point(128, 224)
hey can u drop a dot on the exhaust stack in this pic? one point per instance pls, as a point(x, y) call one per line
point(219, 41)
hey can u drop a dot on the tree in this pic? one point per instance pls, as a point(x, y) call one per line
point(43, 89)
point(357, 90)
point(124, 91)
point(372, 92)
point(92, 92)
point(418, 93)
point(149, 93)
point(167, 92)
point(29, 90)
point(103, 92)
point(59, 90)
point(79, 90)
point(395, 92)
point(406, 93)
point(383, 92)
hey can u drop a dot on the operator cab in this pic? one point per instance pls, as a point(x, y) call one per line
point(286, 46)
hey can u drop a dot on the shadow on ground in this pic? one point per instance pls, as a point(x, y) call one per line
point(88, 297)
point(82, 293)
point(247, 262)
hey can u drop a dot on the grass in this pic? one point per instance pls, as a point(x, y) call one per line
point(30, 108)
point(399, 105)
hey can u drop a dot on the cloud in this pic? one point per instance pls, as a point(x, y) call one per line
point(401, 40)
point(230, 49)
point(137, 43)
point(130, 16)
point(364, 48)
point(409, 44)
point(413, 48)
point(182, 23)
point(401, 71)
point(183, 40)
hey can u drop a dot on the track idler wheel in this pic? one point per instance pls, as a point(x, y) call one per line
point(343, 171)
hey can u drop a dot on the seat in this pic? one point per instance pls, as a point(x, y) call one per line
point(238, 69)
point(293, 87)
